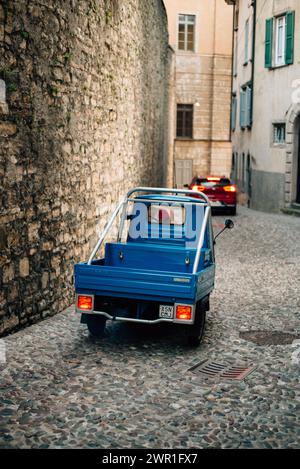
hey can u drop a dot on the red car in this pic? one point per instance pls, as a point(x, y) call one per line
point(220, 191)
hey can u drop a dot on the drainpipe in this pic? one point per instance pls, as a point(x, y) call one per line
point(253, 56)
point(252, 93)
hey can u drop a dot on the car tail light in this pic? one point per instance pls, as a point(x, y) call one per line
point(198, 188)
point(85, 302)
point(229, 188)
point(212, 179)
point(184, 312)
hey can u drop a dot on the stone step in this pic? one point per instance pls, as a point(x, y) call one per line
point(294, 209)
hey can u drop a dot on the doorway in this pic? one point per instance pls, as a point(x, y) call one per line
point(183, 172)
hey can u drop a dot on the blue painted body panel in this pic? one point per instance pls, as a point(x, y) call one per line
point(143, 284)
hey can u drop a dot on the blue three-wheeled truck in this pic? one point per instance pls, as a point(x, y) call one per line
point(158, 267)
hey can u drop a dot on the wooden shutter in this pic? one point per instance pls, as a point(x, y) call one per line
point(289, 46)
point(243, 109)
point(269, 43)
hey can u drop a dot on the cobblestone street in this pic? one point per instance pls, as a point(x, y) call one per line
point(62, 389)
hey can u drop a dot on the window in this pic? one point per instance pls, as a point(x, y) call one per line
point(280, 41)
point(279, 133)
point(246, 106)
point(233, 111)
point(246, 42)
point(280, 50)
point(186, 32)
point(184, 120)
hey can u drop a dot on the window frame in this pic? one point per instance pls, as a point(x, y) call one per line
point(246, 110)
point(185, 109)
point(272, 39)
point(282, 61)
point(186, 23)
point(276, 125)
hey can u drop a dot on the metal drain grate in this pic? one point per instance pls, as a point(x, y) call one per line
point(214, 371)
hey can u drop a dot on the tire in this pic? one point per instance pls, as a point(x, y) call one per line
point(197, 330)
point(96, 325)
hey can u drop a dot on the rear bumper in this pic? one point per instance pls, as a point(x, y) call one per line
point(128, 317)
point(222, 205)
point(229, 201)
point(122, 319)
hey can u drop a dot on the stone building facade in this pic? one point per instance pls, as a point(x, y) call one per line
point(266, 103)
point(83, 112)
point(201, 36)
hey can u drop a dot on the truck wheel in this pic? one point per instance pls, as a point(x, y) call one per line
point(96, 325)
point(197, 330)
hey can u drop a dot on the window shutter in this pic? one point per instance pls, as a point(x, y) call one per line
point(233, 112)
point(242, 109)
point(269, 43)
point(290, 28)
point(249, 105)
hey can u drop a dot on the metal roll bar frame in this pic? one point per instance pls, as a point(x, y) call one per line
point(156, 190)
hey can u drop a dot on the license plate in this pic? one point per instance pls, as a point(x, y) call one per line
point(166, 311)
point(215, 203)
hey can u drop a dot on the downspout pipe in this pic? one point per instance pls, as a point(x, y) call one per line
point(253, 56)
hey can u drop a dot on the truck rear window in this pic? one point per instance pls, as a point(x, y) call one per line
point(166, 215)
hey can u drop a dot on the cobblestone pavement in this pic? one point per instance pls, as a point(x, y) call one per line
point(133, 389)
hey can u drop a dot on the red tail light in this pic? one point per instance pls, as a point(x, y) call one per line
point(85, 302)
point(198, 188)
point(229, 188)
point(184, 312)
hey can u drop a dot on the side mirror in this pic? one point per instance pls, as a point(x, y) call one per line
point(228, 224)
point(186, 185)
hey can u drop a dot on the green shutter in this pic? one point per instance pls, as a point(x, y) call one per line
point(290, 28)
point(269, 43)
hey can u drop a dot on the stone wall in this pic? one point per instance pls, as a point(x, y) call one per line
point(83, 104)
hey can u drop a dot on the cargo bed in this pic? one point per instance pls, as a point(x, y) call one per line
point(135, 283)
